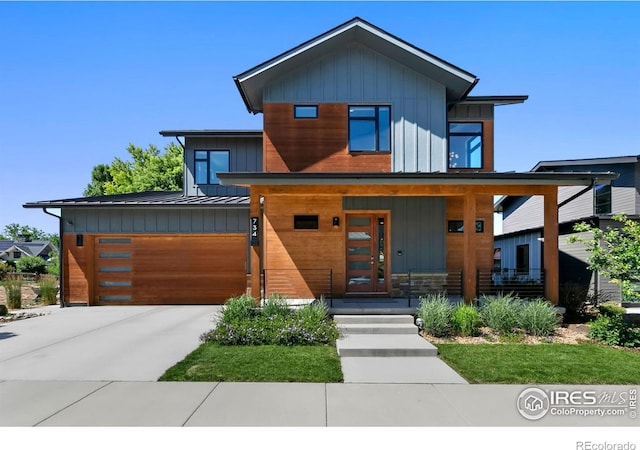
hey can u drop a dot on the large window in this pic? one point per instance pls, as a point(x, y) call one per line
point(465, 145)
point(369, 128)
point(602, 199)
point(210, 162)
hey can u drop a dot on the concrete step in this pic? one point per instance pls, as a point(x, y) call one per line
point(377, 328)
point(385, 345)
point(373, 318)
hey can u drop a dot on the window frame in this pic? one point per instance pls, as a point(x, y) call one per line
point(465, 134)
point(596, 206)
point(452, 228)
point(295, 112)
point(306, 218)
point(376, 123)
point(210, 180)
point(527, 266)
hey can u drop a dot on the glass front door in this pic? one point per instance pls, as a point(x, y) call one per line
point(366, 267)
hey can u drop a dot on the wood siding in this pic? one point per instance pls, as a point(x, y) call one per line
point(245, 155)
point(155, 269)
point(314, 145)
point(483, 241)
point(358, 74)
point(295, 250)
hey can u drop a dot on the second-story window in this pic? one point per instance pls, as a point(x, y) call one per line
point(208, 164)
point(305, 111)
point(602, 199)
point(465, 145)
point(369, 128)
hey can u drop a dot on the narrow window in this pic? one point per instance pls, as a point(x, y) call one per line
point(522, 258)
point(602, 199)
point(465, 145)
point(305, 222)
point(305, 112)
point(17, 255)
point(208, 164)
point(497, 259)
point(457, 226)
point(369, 128)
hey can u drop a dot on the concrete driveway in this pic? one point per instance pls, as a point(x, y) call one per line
point(117, 343)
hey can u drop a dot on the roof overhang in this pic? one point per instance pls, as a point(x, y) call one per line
point(496, 100)
point(542, 165)
point(212, 133)
point(458, 82)
point(438, 178)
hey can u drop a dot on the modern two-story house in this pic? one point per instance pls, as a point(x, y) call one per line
point(520, 247)
point(373, 177)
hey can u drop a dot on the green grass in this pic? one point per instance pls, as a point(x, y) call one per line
point(542, 364)
point(213, 362)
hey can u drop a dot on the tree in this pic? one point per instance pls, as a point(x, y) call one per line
point(31, 264)
point(614, 252)
point(14, 231)
point(149, 170)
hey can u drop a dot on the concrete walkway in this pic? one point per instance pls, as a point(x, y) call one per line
point(138, 404)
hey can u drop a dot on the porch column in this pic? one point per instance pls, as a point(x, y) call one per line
point(550, 246)
point(254, 254)
point(469, 285)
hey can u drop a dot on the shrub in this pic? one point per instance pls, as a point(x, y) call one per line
point(612, 330)
point(611, 309)
point(466, 320)
point(5, 268)
point(276, 306)
point(435, 311)
point(31, 264)
point(13, 287)
point(3, 310)
point(238, 308)
point(48, 285)
point(53, 266)
point(538, 317)
point(316, 310)
point(500, 312)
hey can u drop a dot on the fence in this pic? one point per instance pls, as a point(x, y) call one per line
point(525, 283)
point(299, 283)
point(26, 277)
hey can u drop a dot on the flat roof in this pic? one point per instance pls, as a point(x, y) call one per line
point(497, 100)
point(211, 133)
point(431, 178)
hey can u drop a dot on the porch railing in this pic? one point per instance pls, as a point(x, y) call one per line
point(420, 282)
point(299, 283)
point(525, 283)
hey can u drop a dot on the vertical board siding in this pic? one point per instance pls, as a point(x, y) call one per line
point(508, 244)
point(357, 74)
point(417, 229)
point(245, 155)
point(129, 220)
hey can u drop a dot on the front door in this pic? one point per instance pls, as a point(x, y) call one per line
point(366, 262)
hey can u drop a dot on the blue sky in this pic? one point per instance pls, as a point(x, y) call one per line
point(80, 81)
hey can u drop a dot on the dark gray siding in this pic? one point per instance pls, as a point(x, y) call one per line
point(139, 220)
point(471, 112)
point(360, 75)
point(245, 155)
point(417, 230)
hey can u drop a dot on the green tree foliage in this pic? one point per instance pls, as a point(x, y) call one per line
point(614, 252)
point(99, 177)
point(13, 231)
point(148, 170)
point(31, 264)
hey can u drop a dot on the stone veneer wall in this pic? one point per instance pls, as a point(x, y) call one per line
point(421, 284)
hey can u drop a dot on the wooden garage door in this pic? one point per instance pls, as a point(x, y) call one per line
point(168, 269)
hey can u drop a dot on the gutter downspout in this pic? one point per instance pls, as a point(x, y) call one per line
point(60, 260)
point(578, 194)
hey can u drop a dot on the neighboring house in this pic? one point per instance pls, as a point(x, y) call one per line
point(14, 250)
point(373, 177)
point(521, 245)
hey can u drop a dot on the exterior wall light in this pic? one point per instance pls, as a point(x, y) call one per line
point(336, 222)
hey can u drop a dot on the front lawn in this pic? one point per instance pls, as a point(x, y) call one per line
point(213, 362)
point(542, 364)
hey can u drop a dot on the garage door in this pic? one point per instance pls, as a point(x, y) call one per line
point(168, 269)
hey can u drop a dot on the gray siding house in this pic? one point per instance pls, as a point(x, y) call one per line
point(520, 247)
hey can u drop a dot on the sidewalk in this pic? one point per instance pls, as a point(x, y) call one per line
point(171, 404)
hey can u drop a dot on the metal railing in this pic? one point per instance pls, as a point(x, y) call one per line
point(423, 282)
point(525, 283)
point(299, 283)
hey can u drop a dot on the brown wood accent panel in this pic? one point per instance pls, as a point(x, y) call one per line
point(291, 250)
point(550, 246)
point(78, 276)
point(483, 242)
point(314, 145)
